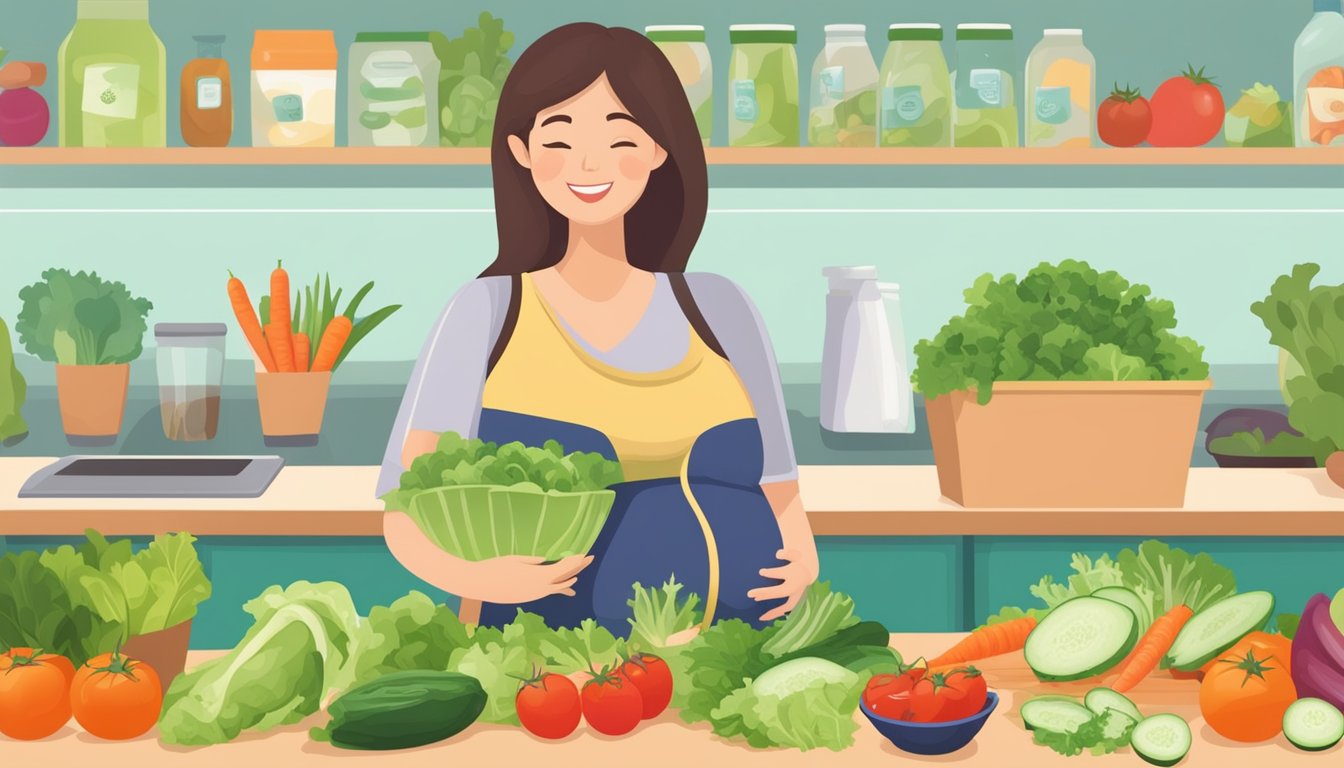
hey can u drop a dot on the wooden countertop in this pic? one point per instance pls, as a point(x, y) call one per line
point(841, 501)
point(666, 741)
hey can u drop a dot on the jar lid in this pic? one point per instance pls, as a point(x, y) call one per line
point(984, 32)
point(295, 49)
point(186, 330)
point(846, 29)
point(915, 32)
point(394, 37)
point(763, 33)
point(675, 33)
point(1063, 33)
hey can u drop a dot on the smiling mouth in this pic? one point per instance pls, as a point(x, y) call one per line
point(590, 193)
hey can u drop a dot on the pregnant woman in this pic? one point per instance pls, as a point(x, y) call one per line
point(587, 330)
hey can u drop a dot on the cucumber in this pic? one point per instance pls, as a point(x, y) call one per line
point(1161, 740)
point(1217, 628)
point(1059, 714)
point(1080, 638)
point(1313, 724)
point(1101, 699)
point(402, 710)
point(1126, 597)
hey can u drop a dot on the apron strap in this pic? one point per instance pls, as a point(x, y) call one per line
point(510, 321)
point(686, 300)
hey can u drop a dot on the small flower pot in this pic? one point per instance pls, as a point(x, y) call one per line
point(164, 651)
point(92, 401)
point(291, 407)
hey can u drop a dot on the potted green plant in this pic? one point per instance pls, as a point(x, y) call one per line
point(1065, 388)
point(91, 329)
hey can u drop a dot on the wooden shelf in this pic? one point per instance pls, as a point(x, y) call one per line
point(717, 156)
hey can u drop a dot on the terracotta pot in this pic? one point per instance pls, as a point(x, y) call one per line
point(1079, 444)
point(165, 651)
point(291, 407)
point(93, 401)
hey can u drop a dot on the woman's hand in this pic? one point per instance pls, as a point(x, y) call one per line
point(801, 566)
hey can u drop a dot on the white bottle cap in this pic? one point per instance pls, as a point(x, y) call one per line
point(1063, 33)
point(846, 29)
point(674, 28)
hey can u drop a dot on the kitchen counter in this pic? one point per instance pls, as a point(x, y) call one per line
point(841, 501)
point(1003, 743)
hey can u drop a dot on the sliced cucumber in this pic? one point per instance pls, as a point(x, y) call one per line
point(1101, 699)
point(1080, 638)
point(1126, 597)
point(1313, 724)
point(1059, 714)
point(1217, 628)
point(1161, 740)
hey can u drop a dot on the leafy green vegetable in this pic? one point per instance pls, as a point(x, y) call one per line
point(79, 319)
point(588, 646)
point(13, 393)
point(1059, 322)
point(297, 652)
point(498, 659)
point(820, 614)
point(804, 703)
point(722, 659)
point(1308, 323)
point(473, 69)
point(1175, 577)
point(1101, 735)
point(37, 611)
point(412, 633)
point(1287, 623)
point(658, 614)
point(1089, 576)
point(1253, 443)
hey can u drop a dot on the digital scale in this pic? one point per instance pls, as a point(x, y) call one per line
point(129, 477)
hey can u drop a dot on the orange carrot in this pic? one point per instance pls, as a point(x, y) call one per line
point(991, 640)
point(281, 346)
point(302, 351)
point(1152, 646)
point(247, 318)
point(333, 341)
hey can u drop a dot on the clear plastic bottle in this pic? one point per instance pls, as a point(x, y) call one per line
point(915, 94)
point(113, 83)
point(684, 47)
point(843, 107)
point(1318, 78)
point(986, 96)
point(763, 86)
point(1061, 83)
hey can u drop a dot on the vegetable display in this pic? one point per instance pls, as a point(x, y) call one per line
point(1058, 322)
point(403, 710)
point(80, 319)
point(1081, 638)
point(34, 693)
point(1152, 647)
point(1246, 692)
point(1313, 725)
point(39, 610)
point(1259, 119)
point(1217, 628)
point(474, 68)
point(115, 697)
point(1318, 650)
point(548, 706)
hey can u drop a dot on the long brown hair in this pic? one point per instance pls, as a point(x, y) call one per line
point(663, 226)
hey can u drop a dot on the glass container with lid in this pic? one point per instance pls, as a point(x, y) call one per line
point(394, 89)
point(843, 108)
point(986, 93)
point(763, 86)
point(113, 83)
point(294, 88)
point(915, 94)
point(190, 363)
point(685, 48)
point(1061, 81)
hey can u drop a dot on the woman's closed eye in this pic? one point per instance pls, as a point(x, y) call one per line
point(556, 145)
point(624, 143)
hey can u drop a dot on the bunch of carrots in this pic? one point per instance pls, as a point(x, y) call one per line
point(284, 341)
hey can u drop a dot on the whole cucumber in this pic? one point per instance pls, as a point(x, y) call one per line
point(403, 710)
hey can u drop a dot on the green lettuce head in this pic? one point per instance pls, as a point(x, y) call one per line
point(80, 319)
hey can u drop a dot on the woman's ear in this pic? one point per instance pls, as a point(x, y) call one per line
point(520, 153)
point(659, 156)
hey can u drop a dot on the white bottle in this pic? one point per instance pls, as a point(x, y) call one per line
point(1061, 88)
point(1318, 78)
point(865, 385)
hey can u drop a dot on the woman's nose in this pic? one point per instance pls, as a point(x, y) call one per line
point(590, 162)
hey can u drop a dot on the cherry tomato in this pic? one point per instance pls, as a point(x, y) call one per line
point(548, 706)
point(1125, 118)
point(650, 676)
point(116, 697)
point(1188, 111)
point(34, 693)
point(964, 693)
point(889, 696)
point(611, 705)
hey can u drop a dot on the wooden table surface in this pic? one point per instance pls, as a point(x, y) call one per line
point(841, 501)
point(667, 741)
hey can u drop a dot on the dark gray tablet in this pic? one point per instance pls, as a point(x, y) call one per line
point(126, 477)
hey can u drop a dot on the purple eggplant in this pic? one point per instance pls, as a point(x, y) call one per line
point(1318, 654)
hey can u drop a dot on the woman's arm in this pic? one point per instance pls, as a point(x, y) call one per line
point(800, 550)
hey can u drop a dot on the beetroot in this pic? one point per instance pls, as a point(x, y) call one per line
point(24, 117)
point(1318, 654)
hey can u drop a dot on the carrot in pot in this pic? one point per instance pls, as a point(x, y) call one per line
point(247, 319)
point(273, 341)
point(333, 341)
point(1151, 648)
point(302, 351)
point(282, 345)
point(989, 640)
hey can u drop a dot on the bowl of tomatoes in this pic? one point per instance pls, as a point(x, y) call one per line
point(929, 713)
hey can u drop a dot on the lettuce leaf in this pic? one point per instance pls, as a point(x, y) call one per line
point(813, 706)
point(411, 633)
point(498, 659)
point(588, 646)
point(820, 614)
point(80, 319)
point(37, 611)
point(721, 659)
point(1174, 577)
point(1088, 576)
point(1101, 735)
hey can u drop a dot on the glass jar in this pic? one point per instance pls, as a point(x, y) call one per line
point(685, 49)
point(763, 86)
point(393, 90)
point(206, 95)
point(986, 96)
point(294, 88)
point(113, 83)
point(843, 107)
point(915, 95)
point(1061, 81)
point(190, 363)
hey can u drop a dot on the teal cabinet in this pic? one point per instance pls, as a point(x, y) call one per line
point(908, 584)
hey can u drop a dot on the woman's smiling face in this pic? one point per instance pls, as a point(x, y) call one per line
point(588, 156)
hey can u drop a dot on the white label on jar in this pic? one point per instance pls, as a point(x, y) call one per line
point(1327, 104)
point(831, 83)
point(988, 86)
point(744, 100)
point(111, 90)
point(209, 93)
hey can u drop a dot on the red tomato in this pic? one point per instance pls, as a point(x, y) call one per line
point(116, 697)
point(611, 705)
point(650, 676)
point(890, 696)
point(1125, 118)
point(548, 706)
point(34, 693)
point(964, 693)
point(1188, 111)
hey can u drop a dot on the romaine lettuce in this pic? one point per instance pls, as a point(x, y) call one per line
point(804, 703)
point(412, 633)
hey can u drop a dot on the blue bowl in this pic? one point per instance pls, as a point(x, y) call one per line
point(932, 738)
